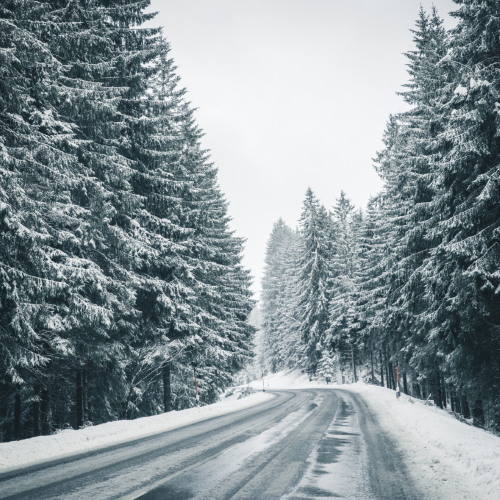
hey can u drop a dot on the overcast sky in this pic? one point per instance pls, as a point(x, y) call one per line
point(291, 94)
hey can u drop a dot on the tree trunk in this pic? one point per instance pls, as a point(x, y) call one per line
point(45, 412)
point(84, 396)
point(4, 409)
point(405, 383)
point(381, 369)
point(167, 394)
point(418, 392)
point(353, 364)
point(373, 371)
point(458, 405)
point(387, 370)
point(465, 406)
point(17, 417)
point(392, 375)
point(437, 389)
point(35, 405)
point(391, 370)
point(443, 392)
point(88, 400)
point(478, 413)
point(56, 414)
point(79, 399)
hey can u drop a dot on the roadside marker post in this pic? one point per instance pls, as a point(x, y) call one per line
point(263, 388)
point(398, 393)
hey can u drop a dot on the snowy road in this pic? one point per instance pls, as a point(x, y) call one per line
point(303, 444)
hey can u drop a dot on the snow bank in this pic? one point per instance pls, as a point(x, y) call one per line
point(35, 451)
point(447, 459)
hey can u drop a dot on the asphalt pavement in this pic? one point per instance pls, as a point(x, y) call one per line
point(303, 444)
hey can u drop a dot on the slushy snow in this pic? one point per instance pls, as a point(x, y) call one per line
point(447, 459)
point(69, 443)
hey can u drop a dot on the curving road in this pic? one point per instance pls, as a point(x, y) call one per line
point(303, 444)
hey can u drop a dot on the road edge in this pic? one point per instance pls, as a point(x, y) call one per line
point(51, 461)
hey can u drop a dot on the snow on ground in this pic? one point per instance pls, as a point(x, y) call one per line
point(34, 451)
point(447, 459)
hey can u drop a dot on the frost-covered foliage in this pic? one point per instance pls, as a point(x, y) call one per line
point(315, 227)
point(117, 266)
point(278, 335)
point(413, 282)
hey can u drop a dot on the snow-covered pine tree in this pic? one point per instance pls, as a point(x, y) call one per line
point(393, 210)
point(315, 227)
point(343, 332)
point(328, 366)
point(463, 278)
point(290, 349)
point(31, 286)
point(62, 209)
point(222, 298)
point(106, 57)
point(406, 164)
point(192, 292)
point(165, 294)
point(371, 280)
point(273, 288)
point(429, 86)
point(226, 299)
point(121, 236)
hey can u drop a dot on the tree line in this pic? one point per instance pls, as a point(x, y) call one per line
point(413, 281)
point(118, 270)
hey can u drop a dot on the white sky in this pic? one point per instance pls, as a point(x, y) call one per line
point(291, 94)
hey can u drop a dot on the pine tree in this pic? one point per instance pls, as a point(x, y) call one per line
point(116, 261)
point(314, 273)
point(223, 290)
point(193, 267)
point(328, 366)
point(372, 282)
point(429, 86)
point(462, 270)
point(407, 165)
point(343, 331)
point(273, 289)
point(62, 210)
point(107, 75)
point(289, 344)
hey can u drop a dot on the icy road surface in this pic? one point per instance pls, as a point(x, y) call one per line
point(303, 444)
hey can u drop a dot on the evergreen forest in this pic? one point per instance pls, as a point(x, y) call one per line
point(120, 278)
point(410, 285)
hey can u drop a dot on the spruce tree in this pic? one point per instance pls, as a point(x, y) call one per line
point(63, 208)
point(273, 289)
point(314, 274)
point(462, 270)
point(289, 345)
point(116, 261)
